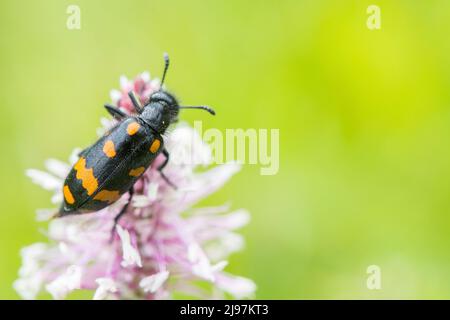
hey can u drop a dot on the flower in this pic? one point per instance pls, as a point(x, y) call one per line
point(161, 247)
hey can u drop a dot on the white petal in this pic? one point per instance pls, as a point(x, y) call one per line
point(210, 210)
point(57, 198)
point(74, 156)
point(106, 125)
point(141, 201)
point(44, 179)
point(231, 221)
point(105, 122)
point(219, 266)
point(105, 286)
point(57, 167)
point(227, 244)
point(28, 288)
point(155, 83)
point(130, 254)
point(115, 95)
point(201, 266)
point(31, 257)
point(119, 203)
point(154, 282)
point(210, 225)
point(239, 287)
point(63, 247)
point(45, 214)
point(206, 183)
point(145, 76)
point(65, 283)
point(186, 147)
point(124, 83)
point(33, 251)
point(152, 192)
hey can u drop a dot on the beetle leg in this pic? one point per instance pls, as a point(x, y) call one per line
point(136, 102)
point(161, 167)
point(121, 213)
point(115, 112)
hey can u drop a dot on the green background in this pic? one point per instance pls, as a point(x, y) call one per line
point(364, 123)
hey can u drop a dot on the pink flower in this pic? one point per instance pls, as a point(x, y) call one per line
point(161, 246)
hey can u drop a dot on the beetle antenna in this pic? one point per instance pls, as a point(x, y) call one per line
point(206, 108)
point(166, 66)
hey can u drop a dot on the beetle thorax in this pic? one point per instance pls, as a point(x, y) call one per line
point(161, 111)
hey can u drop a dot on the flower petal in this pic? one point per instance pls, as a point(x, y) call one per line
point(239, 287)
point(44, 179)
point(28, 288)
point(105, 287)
point(205, 184)
point(65, 283)
point(57, 167)
point(130, 254)
point(155, 234)
point(74, 156)
point(186, 147)
point(115, 96)
point(154, 282)
point(145, 76)
point(45, 214)
point(201, 266)
point(124, 82)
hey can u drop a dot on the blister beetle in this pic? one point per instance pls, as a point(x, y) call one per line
point(112, 165)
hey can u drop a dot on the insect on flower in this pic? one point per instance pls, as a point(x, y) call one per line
point(163, 246)
point(112, 165)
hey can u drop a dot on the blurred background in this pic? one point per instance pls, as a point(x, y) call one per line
point(364, 119)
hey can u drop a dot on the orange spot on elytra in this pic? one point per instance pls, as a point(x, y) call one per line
point(68, 195)
point(155, 146)
point(136, 172)
point(133, 128)
point(109, 149)
point(86, 176)
point(107, 195)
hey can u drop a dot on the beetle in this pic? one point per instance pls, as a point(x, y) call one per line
point(111, 166)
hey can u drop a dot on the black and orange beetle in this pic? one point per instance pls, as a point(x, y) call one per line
point(111, 166)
